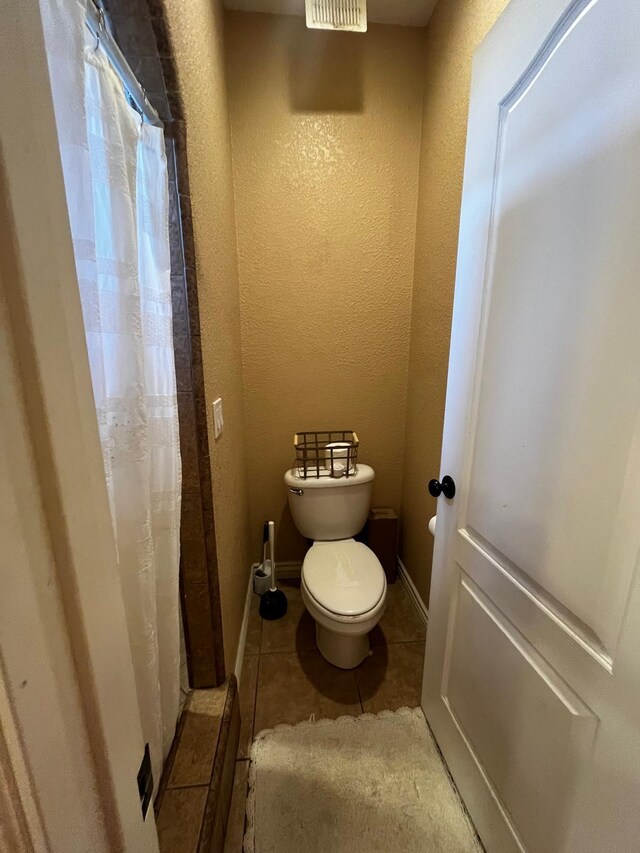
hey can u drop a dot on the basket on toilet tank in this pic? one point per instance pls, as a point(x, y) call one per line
point(326, 453)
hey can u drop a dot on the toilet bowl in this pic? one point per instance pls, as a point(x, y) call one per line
point(343, 584)
point(345, 590)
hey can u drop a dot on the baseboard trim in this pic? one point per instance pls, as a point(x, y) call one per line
point(413, 592)
point(289, 569)
point(242, 639)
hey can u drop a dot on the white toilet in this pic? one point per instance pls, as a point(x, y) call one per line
point(343, 583)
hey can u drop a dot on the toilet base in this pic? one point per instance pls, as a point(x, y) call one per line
point(342, 650)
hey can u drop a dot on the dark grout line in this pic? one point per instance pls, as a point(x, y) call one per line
point(287, 652)
point(312, 651)
point(359, 694)
point(185, 787)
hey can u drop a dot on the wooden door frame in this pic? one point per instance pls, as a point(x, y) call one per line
point(72, 740)
point(142, 33)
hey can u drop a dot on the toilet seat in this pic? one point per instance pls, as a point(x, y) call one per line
point(344, 578)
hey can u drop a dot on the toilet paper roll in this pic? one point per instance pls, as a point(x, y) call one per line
point(340, 457)
point(432, 526)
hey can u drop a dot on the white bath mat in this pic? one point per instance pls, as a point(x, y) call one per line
point(357, 784)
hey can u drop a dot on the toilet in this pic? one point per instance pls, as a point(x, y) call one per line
point(343, 583)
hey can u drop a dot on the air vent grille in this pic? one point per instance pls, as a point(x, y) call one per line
point(337, 15)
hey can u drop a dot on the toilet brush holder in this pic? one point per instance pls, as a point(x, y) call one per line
point(262, 577)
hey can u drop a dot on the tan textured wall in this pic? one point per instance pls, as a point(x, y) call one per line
point(326, 136)
point(456, 28)
point(196, 30)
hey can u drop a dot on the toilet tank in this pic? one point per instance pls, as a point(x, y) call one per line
point(325, 508)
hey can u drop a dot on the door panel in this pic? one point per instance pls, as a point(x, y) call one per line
point(559, 370)
point(529, 730)
point(531, 683)
point(568, 645)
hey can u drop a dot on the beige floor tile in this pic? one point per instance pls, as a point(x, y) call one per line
point(293, 686)
point(401, 622)
point(210, 701)
point(235, 825)
point(254, 628)
point(247, 699)
point(391, 678)
point(194, 758)
point(294, 632)
point(180, 819)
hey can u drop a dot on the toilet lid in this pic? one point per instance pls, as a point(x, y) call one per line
point(345, 577)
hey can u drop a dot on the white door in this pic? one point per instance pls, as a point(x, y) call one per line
point(532, 676)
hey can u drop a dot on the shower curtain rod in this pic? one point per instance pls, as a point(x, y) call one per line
point(97, 25)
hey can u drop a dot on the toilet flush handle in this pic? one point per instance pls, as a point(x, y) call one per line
point(296, 491)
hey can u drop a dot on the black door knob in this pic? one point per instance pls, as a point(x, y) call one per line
point(447, 487)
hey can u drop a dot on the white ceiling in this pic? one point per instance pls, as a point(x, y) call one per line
point(408, 13)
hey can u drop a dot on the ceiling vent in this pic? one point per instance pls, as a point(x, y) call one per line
point(337, 15)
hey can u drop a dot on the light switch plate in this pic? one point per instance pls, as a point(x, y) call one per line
point(218, 419)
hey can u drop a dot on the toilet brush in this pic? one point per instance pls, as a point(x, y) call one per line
point(273, 604)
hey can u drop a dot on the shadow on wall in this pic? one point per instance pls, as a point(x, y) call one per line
point(325, 72)
point(290, 541)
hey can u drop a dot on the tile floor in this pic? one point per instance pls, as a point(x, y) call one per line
point(181, 805)
point(285, 679)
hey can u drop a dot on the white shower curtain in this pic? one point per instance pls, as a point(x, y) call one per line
point(115, 176)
